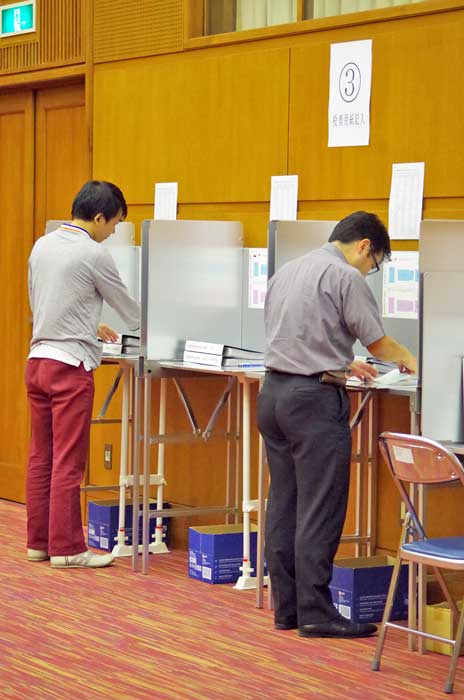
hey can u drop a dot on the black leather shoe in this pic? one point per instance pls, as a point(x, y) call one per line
point(338, 628)
point(286, 623)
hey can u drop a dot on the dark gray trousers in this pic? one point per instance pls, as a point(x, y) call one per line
point(308, 442)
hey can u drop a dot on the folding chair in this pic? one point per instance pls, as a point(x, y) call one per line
point(417, 460)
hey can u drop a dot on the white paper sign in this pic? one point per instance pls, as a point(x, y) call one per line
point(350, 93)
point(406, 197)
point(284, 197)
point(165, 201)
point(401, 285)
point(257, 277)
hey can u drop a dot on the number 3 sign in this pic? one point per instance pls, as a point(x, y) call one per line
point(350, 93)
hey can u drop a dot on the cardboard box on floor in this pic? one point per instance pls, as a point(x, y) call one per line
point(359, 588)
point(103, 520)
point(439, 620)
point(215, 552)
point(455, 582)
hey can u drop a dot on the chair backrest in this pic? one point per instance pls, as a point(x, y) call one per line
point(419, 460)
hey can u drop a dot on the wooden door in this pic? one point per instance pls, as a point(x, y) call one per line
point(41, 169)
point(16, 227)
point(62, 152)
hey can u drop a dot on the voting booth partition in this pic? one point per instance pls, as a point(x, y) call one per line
point(441, 251)
point(191, 285)
point(193, 289)
point(288, 240)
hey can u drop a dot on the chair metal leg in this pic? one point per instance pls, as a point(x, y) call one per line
point(456, 651)
point(387, 613)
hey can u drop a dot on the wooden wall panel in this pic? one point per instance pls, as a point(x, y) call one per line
point(218, 126)
point(129, 28)
point(58, 40)
point(62, 31)
point(16, 195)
point(416, 110)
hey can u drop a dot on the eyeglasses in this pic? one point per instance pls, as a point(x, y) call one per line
point(376, 267)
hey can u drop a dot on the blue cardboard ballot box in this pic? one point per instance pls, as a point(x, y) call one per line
point(103, 519)
point(359, 588)
point(215, 552)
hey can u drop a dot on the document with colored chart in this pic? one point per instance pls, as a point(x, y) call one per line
point(400, 297)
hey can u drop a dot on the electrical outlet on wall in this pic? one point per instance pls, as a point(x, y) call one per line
point(108, 456)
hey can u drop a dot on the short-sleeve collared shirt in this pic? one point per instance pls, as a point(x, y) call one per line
point(316, 307)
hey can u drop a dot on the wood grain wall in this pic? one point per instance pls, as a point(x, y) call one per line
point(222, 120)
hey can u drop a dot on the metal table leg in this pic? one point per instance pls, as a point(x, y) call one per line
point(246, 580)
point(158, 546)
point(121, 549)
point(136, 437)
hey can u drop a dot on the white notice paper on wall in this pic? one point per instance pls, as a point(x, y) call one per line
point(284, 197)
point(350, 93)
point(257, 277)
point(406, 197)
point(401, 285)
point(166, 201)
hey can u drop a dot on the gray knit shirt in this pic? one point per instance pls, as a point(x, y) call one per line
point(70, 275)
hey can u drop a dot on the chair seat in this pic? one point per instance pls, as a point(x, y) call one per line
point(445, 547)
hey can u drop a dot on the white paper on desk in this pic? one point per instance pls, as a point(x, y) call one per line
point(400, 296)
point(166, 201)
point(257, 277)
point(406, 197)
point(113, 348)
point(350, 93)
point(392, 378)
point(284, 197)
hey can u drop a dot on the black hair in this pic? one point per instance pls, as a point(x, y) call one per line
point(360, 225)
point(98, 197)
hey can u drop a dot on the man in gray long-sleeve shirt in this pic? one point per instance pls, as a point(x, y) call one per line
point(316, 307)
point(70, 275)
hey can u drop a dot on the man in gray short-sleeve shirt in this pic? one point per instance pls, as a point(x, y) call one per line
point(316, 307)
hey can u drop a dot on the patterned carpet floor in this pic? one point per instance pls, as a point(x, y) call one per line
point(113, 634)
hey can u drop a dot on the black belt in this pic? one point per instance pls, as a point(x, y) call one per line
point(315, 376)
point(337, 378)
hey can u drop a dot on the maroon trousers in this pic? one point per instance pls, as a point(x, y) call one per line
point(61, 400)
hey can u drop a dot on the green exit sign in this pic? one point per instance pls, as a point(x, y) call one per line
point(18, 18)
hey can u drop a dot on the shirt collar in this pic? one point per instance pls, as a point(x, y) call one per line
point(333, 250)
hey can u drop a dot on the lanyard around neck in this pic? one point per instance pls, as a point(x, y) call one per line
point(73, 227)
